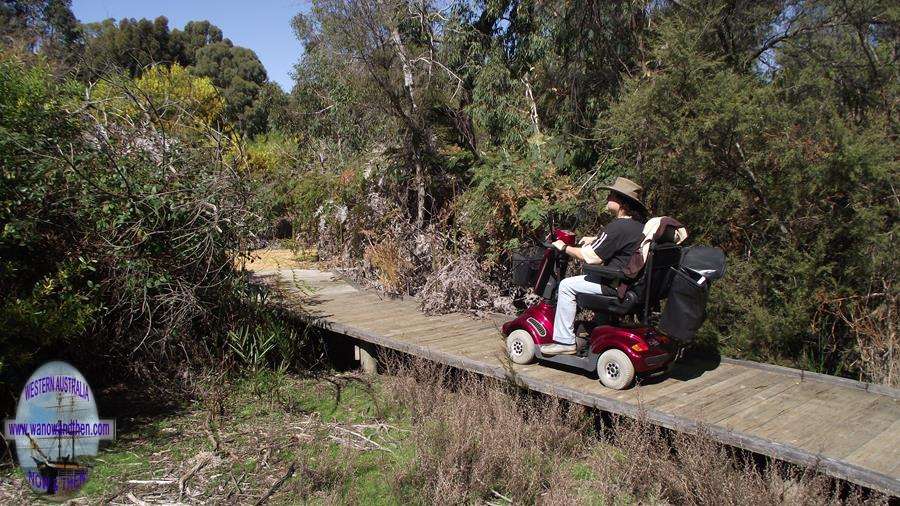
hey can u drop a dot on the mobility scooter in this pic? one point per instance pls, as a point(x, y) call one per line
point(615, 350)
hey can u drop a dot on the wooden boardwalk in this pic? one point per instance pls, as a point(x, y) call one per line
point(847, 429)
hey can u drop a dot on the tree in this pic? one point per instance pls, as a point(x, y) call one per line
point(241, 77)
point(136, 45)
point(131, 45)
point(768, 127)
point(789, 170)
point(47, 26)
point(391, 45)
point(196, 34)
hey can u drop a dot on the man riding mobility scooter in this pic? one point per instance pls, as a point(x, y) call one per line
point(616, 351)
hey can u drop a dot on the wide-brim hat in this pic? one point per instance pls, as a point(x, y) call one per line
point(629, 190)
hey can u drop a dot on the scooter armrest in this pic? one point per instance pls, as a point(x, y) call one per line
point(603, 272)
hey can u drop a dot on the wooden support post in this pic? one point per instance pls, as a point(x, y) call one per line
point(365, 353)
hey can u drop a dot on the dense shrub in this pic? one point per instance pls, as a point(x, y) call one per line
point(123, 209)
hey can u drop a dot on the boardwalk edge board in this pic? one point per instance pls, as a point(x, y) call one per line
point(838, 469)
point(885, 390)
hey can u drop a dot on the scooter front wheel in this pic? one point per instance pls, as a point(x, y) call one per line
point(520, 346)
point(615, 369)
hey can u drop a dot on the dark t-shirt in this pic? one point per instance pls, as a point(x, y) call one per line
point(618, 241)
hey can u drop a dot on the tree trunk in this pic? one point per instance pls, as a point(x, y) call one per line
point(408, 81)
point(409, 86)
point(535, 119)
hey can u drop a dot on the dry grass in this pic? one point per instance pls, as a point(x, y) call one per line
point(870, 320)
point(392, 267)
point(480, 440)
point(462, 285)
point(424, 434)
point(477, 441)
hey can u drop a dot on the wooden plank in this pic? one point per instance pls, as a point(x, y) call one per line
point(677, 390)
point(342, 308)
point(816, 417)
point(364, 320)
point(475, 327)
point(772, 408)
point(693, 373)
point(881, 453)
point(376, 318)
point(802, 416)
point(688, 397)
point(388, 321)
point(467, 342)
point(429, 327)
point(374, 322)
point(453, 334)
point(891, 392)
point(443, 322)
point(359, 309)
point(709, 409)
point(485, 352)
point(715, 414)
point(859, 426)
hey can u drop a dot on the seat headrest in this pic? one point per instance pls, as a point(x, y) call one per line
point(668, 235)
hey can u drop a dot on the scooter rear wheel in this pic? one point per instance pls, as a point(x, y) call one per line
point(520, 347)
point(615, 369)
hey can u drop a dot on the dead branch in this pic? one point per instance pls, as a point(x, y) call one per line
point(277, 485)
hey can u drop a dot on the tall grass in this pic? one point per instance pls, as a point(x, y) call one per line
point(481, 440)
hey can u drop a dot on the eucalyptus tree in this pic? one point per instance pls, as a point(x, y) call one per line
point(389, 52)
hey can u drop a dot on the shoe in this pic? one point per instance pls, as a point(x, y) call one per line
point(558, 349)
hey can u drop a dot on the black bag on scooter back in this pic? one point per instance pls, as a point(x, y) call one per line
point(685, 309)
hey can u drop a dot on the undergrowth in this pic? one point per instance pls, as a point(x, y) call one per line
point(421, 434)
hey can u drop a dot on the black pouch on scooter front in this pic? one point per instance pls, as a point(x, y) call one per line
point(525, 266)
point(685, 309)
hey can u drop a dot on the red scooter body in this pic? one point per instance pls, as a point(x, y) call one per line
point(649, 351)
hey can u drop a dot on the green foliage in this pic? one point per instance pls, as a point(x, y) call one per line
point(45, 24)
point(771, 169)
point(512, 196)
point(251, 347)
point(47, 295)
point(179, 99)
point(129, 45)
point(121, 219)
point(136, 46)
point(769, 128)
point(240, 75)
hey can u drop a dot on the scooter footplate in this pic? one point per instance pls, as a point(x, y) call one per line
point(587, 362)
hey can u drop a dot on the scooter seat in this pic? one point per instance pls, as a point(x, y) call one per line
point(608, 303)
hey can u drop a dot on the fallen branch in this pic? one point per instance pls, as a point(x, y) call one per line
point(357, 434)
point(501, 496)
point(277, 485)
point(150, 482)
point(134, 500)
point(184, 479)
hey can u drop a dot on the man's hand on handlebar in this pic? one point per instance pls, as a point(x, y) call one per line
point(559, 245)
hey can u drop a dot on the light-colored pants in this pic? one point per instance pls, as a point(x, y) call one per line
point(564, 322)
